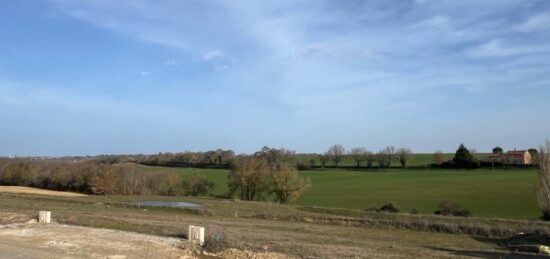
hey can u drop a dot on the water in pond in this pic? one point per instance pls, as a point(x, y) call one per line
point(174, 204)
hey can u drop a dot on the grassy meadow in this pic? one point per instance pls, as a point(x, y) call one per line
point(505, 193)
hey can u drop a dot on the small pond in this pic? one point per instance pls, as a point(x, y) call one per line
point(173, 204)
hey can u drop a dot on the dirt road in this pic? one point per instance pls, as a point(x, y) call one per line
point(20, 189)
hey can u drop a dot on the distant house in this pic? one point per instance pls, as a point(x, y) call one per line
point(517, 157)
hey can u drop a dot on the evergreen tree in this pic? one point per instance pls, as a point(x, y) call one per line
point(464, 159)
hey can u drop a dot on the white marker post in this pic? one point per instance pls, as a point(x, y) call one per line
point(196, 235)
point(44, 216)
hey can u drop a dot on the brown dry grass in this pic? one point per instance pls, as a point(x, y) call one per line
point(234, 219)
point(30, 190)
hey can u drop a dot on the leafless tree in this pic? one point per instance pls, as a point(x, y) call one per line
point(543, 189)
point(382, 159)
point(385, 156)
point(104, 180)
point(227, 157)
point(370, 158)
point(439, 158)
point(359, 155)
point(403, 155)
point(474, 153)
point(274, 156)
point(197, 185)
point(336, 153)
point(324, 158)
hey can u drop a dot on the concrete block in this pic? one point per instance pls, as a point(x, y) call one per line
point(196, 235)
point(44, 216)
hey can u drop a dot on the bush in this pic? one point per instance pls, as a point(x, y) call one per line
point(302, 166)
point(197, 185)
point(390, 207)
point(447, 208)
point(216, 243)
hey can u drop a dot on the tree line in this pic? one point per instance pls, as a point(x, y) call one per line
point(219, 158)
point(361, 156)
point(94, 177)
point(267, 174)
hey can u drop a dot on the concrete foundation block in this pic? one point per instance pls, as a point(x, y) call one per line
point(196, 235)
point(44, 216)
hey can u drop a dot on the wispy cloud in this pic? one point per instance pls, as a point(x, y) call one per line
point(498, 48)
point(537, 22)
point(213, 54)
point(294, 63)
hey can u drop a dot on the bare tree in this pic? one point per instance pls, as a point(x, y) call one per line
point(474, 153)
point(404, 154)
point(324, 158)
point(105, 180)
point(439, 158)
point(382, 159)
point(274, 156)
point(166, 184)
point(370, 158)
point(336, 153)
point(385, 156)
point(543, 189)
point(227, 157)
point(197, 185)
point(358, 155)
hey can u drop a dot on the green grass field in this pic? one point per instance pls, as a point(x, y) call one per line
point(500, 194)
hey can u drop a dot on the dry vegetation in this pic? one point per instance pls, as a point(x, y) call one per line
point(295, 231)
point(543, 190)
point(21, 189)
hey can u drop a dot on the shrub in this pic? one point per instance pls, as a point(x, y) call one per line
point(168, 184)
point(447, 208)
point(390, 207)
point(302, 166)
point(216, 243)
point(197, 185)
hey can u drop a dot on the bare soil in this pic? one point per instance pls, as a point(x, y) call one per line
point(66, 241)
point(30, 190)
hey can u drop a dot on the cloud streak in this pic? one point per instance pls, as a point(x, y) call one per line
point(362, 68)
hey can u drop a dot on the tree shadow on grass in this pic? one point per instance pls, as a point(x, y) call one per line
point(491, 254)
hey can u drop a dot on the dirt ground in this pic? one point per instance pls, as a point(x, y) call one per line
point(20, 189)
point(284, 236)
point(65, 241)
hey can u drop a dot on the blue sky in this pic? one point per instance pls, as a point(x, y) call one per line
point(135, 76)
